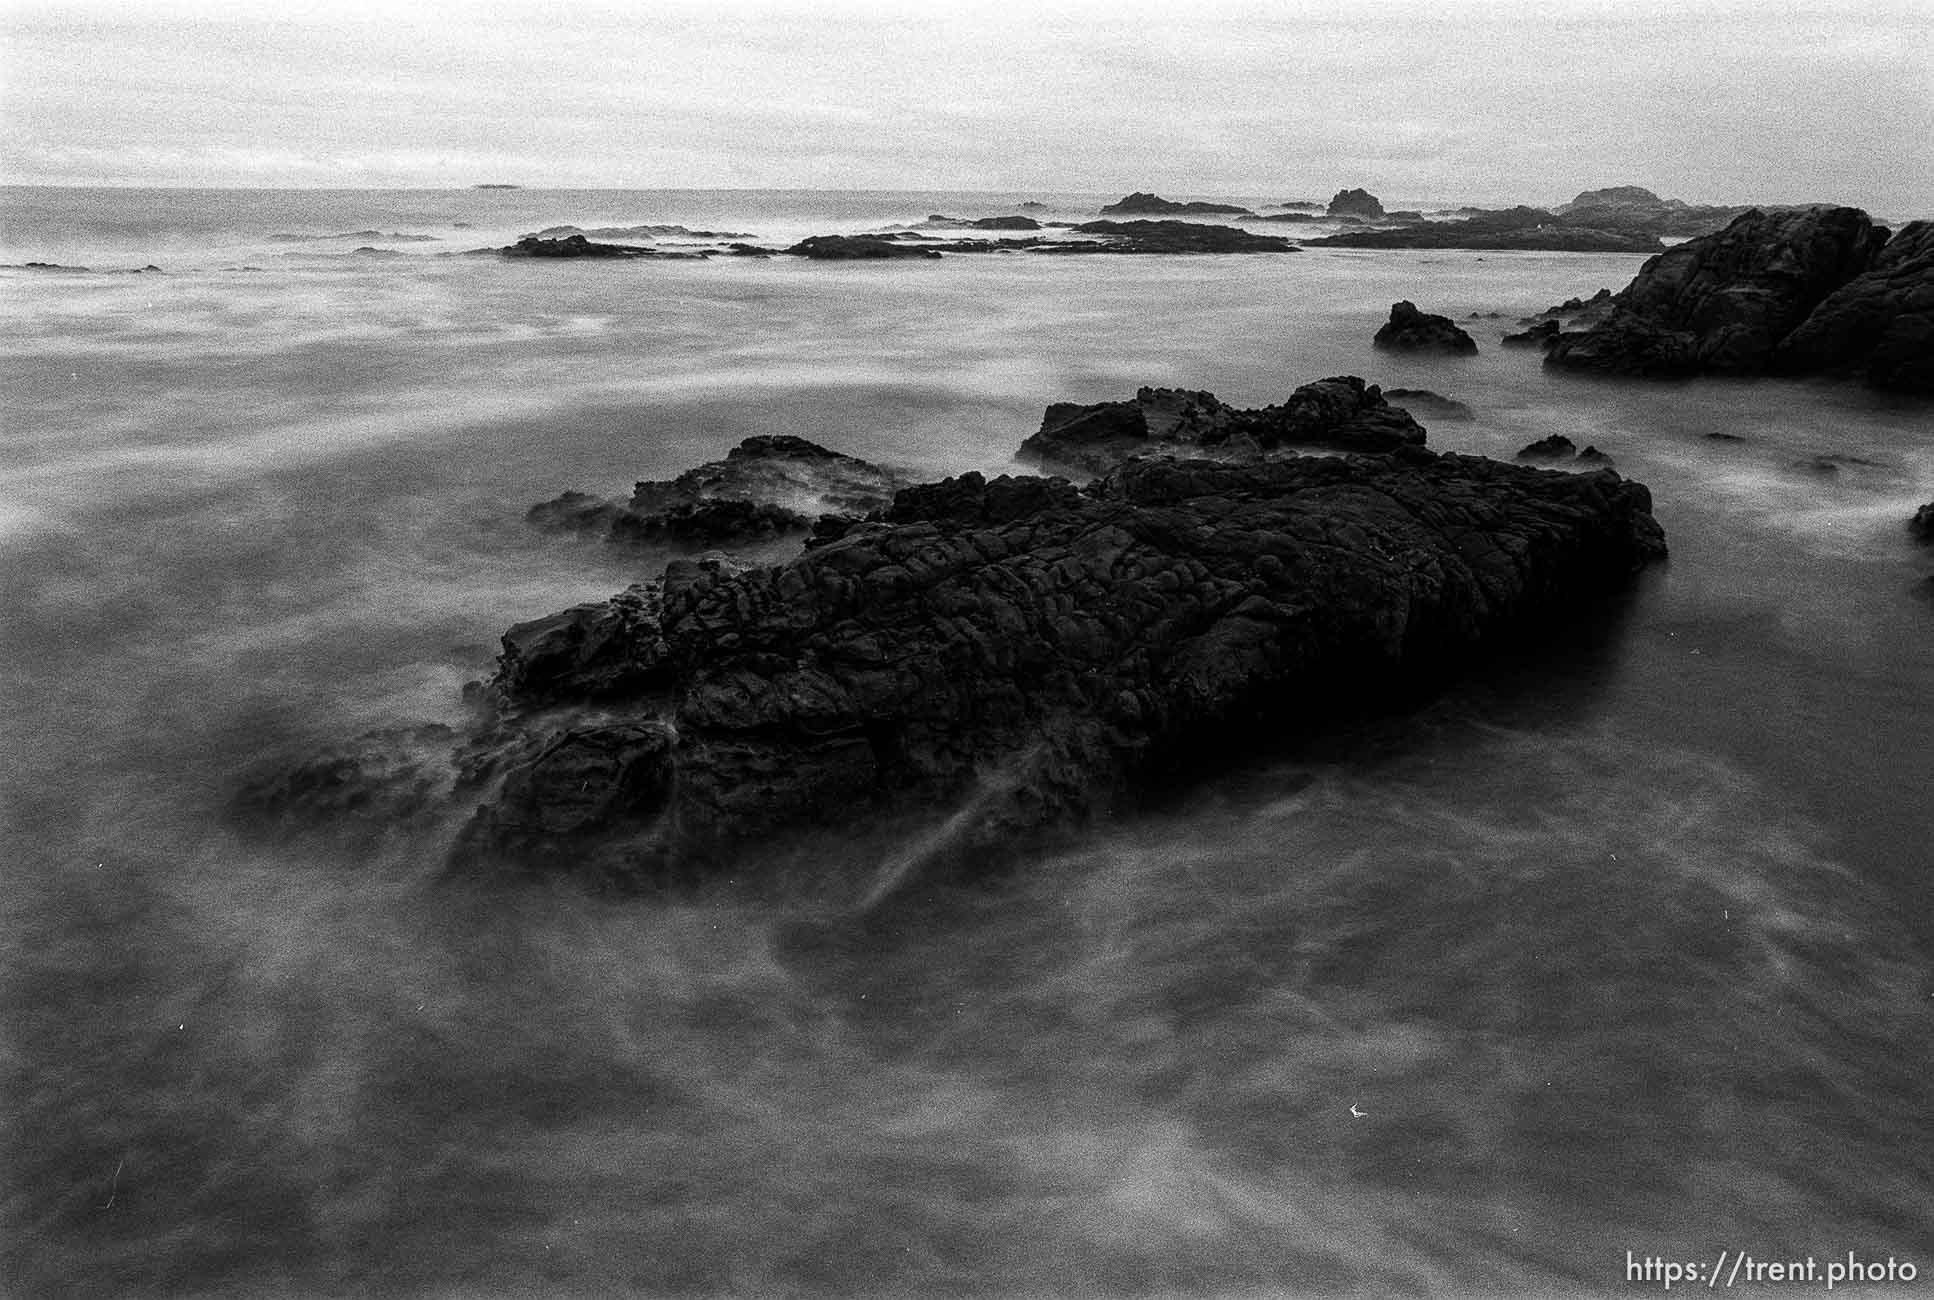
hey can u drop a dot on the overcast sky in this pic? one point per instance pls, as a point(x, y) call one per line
point(1483, 100)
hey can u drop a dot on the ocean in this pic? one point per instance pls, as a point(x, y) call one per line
point(1618, 951)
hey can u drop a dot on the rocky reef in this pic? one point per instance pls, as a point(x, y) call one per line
point(1412, 330)
point(1528, 229)
point(1811, 291)
point(1171, 237)
point(1017, 653)
point(1341, 413)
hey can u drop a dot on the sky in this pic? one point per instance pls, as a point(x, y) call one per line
point(1717, 101)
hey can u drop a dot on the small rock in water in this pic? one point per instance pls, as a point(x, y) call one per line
point(1411, 330)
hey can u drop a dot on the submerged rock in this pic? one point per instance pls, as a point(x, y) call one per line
point(1557, 449)
point(1341, 413)
point(1541, 335)
point(767, 486)
point(1922, 524)
point(1553, 447)
point(1411, 330)
point(364, 787)
point(1432, 406)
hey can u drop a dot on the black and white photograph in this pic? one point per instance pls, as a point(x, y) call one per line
point(868, 650)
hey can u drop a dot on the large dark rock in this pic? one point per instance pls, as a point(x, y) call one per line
point(1085, 644)
point(1140, 203)
point(1722, 303)
point(1879, 326)
point(1035, 649)
point(767, 486)
point(1170, 237)
point(1355, 203)
point(1922, 524)
point(1411, 330)
point(1341, 413)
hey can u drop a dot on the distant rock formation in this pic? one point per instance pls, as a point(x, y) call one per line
point(579, 246)
point(1529, 229)
point(1341, 413)
point(647, 231)
point(389, 237)
point(1922, 524)
point(1140, 204)
point(1355, 203)
point(1632, 207)
point(846, 248)
point(1171, 237)
point(767, 486)
point(1411, 330)
point(1744, 301)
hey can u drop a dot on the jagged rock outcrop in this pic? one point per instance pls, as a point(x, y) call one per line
point(1355, 203)
point(1140, 203)
point(1723, 303)
point(767, 486)
point(1922, 524)
point(1411, 330)
point(1341, 413)
point(1878, 326)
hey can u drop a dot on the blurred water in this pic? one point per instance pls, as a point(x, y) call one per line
point(1621, 945)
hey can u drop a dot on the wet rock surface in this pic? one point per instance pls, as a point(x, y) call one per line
point(767, 486)
point(1341, 413)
